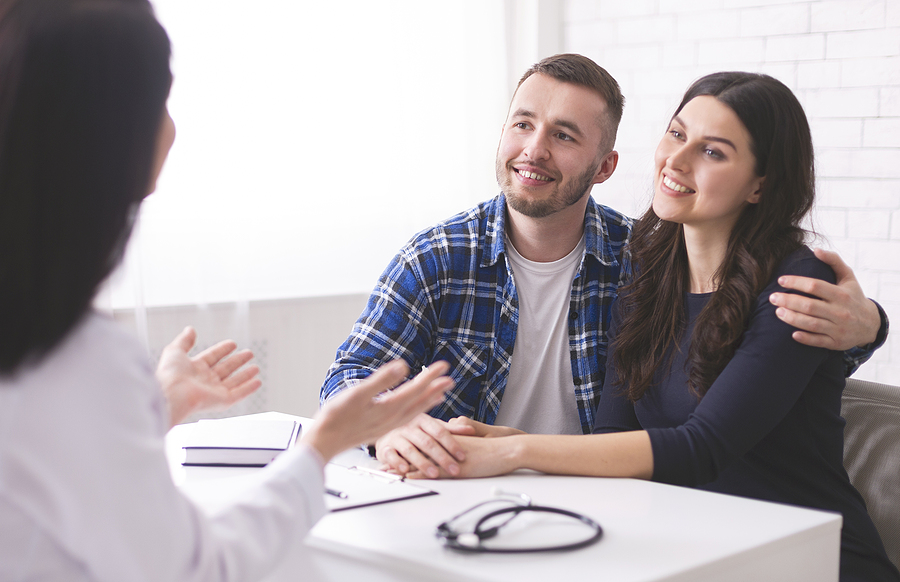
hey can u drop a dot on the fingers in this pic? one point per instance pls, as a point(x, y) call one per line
point(815, 287)
point(408, 448)
point(423, 444)
point(421, 393)
point(243, 390)
point(461, 425)
point(215, 353)
point(841, 269)
point(392, 459)
point(184, 341)
point(813, 323)
point(241, 377)
point(812, 331)
point(795, 306)
point(383, 379)
point(403, 456)
point(815, 340)
point(439, 444)
point(227, 365)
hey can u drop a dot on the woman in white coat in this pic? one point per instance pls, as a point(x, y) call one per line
point(85, 489)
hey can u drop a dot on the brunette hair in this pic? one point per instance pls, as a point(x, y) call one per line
point(652, 304)
point(580, 70)
point(83, 86)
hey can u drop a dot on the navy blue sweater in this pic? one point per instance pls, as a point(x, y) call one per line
point(768, 428)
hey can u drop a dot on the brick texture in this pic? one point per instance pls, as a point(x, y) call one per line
point(841, 58)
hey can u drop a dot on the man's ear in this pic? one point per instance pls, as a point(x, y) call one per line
point(607, 167)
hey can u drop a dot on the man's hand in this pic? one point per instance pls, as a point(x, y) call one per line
point(366, 411)
point(838, 317)
point(211, 380)
point(424, 444)
point(485, 457)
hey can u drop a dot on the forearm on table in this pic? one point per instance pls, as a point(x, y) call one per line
point(624, 454)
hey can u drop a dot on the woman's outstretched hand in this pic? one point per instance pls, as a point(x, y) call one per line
point(212, 380)
point(362, 413)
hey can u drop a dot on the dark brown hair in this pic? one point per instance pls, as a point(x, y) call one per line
point(580, 70)
point(652, 304)
point(83, 87)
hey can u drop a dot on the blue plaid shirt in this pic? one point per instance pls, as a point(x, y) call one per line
point(449, 295)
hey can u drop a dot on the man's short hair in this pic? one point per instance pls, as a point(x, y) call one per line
point(580, 70)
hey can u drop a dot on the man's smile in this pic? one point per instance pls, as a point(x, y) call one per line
point(531, 175)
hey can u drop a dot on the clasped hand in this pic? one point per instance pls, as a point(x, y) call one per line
point(428, 447)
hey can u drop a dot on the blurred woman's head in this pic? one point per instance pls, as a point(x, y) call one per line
point(83, 131)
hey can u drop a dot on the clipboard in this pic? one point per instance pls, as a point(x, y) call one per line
point(352, 487)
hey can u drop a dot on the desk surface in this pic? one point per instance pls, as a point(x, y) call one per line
point(652, 532)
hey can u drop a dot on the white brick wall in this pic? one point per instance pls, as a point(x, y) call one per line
point(842, 59)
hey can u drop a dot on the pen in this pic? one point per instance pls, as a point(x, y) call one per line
point(336, 493)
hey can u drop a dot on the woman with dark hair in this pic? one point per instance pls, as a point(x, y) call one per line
point(705, 386)
point(85, 488)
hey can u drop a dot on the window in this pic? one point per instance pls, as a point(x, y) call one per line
point(314, 139)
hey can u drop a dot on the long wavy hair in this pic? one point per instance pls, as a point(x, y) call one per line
point(652, 306)
point(83, 87)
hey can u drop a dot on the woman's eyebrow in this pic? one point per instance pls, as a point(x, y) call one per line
point(708, 137)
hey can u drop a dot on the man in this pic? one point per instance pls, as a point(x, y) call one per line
point(534, 272)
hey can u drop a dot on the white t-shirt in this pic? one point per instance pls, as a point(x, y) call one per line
point(540, 393)
point(85, 488)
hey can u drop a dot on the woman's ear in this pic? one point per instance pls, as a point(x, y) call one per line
point(754, 197)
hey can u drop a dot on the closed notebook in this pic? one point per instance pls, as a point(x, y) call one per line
point(239, 442)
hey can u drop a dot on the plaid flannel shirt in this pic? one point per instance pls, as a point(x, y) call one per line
point(449, 295)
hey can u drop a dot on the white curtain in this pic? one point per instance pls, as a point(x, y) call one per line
point(314, 138)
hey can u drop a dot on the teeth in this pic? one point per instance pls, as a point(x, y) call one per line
point(533, 176)
point(676, 187)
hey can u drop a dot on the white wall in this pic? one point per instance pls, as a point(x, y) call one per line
point(841, 58)
point(314, 138)
point(294, 341)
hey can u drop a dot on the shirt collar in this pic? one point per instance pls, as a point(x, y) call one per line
point(596, 234)
point(596, 238)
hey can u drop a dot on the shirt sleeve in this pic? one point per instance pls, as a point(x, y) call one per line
point(154, 532)
point(91, 474)
point(752, 395)
point(397, 322)
point(857, 356)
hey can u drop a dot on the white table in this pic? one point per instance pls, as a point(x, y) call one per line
point(652, 532)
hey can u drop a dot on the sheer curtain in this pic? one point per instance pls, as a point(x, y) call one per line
point(314, 138)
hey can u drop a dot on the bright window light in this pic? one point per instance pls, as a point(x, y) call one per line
point(314, 139)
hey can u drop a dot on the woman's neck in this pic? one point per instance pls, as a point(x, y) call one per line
point(706, 250)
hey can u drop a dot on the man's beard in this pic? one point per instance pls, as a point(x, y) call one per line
point(563, 196)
